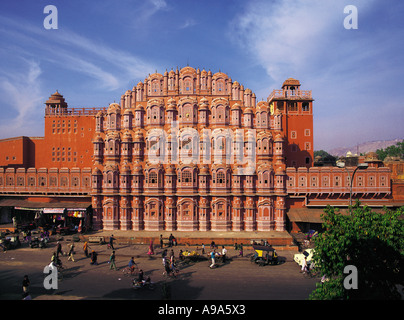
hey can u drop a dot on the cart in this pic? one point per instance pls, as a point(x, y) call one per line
point(264, 255)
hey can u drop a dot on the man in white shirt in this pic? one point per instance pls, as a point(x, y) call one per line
point(224, 252)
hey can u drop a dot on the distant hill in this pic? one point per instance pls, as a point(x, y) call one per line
point(363, 147)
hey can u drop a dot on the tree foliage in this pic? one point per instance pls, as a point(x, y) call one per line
point(391, 151)
point(321, 153)
point(372, 242)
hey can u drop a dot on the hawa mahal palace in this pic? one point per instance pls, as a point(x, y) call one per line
point(186, 150)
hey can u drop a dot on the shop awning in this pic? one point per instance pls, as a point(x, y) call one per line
point(46, 206)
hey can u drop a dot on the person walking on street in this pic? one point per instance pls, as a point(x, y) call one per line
point(212, 257)
point(112, 261)
point(25, 284)
point(71, 252)
point(224, 252)
point(241, 250)
point(304, 266)
point(59, 249)
point(151, 248)
point(111, 242)
point(85, 248)
point(93, 258)
point(161, 241)
point(170, 240)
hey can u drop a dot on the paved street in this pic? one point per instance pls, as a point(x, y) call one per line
point(237, 280)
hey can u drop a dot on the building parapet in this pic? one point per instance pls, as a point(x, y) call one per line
point(290, 94)
point(75, 112)
point(333, 180)
point(45, 181)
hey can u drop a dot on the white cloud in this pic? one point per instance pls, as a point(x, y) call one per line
point(189, 22)
point(22, 91)
point(285, 36)
point(346, 69)
point(110, 67)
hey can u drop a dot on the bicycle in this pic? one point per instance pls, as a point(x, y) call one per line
point(172, 273)
point(310, 272)
point(129, 272)
point(143, 284)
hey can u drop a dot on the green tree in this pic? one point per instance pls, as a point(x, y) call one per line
point(372, 242)
point(391, 151)
point(321, 153)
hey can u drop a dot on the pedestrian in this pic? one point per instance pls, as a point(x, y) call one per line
point(85, 248)
point(241, 250)
point(161, 241)
point(112, 261)
point(163, 256)
point(304, 265)
point(151, 249)
point(174, 241)
point(203, 248)
point(212, 245)
point(93, 257)
point(59, 249)
point(71, 252)
point(25, 284)
point(180, 255)
point(212, 257)
point(224, 252)
point(111, 242)
point(170, 240)
point(171, 254)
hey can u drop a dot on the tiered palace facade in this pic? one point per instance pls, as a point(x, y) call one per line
point(184, 150)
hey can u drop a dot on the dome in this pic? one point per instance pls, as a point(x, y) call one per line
point(128, 112)
point(278, 138)
point(235, 106)
point(291, 82)
point(56, 98)
point(139, 107)
point(99, 114)
point(114, 108)
point(96, 171)
point(188, 70)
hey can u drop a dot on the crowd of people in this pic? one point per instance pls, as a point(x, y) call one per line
point(169, 259)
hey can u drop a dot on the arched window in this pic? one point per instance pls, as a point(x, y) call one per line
point(221, 178)
point(153, 178)
point(186, 176)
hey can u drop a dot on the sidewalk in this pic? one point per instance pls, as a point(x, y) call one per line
point(279, 240)
point(125, 247)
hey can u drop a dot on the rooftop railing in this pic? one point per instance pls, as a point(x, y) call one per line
point(74, 112)
point(290, 94)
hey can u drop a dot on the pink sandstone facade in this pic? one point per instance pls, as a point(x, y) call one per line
point(186, 150)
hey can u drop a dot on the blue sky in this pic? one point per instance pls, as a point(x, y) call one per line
point(103, 48)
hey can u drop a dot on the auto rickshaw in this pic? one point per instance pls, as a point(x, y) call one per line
point(264, 255)
point(37, 243)
point(10, 242)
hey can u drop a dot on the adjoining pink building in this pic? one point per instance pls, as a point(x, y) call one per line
point(185, 150)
